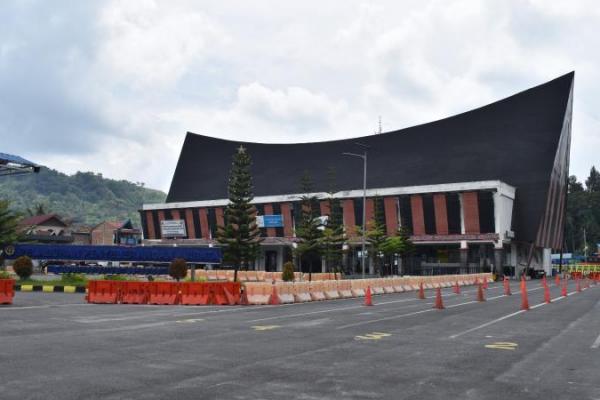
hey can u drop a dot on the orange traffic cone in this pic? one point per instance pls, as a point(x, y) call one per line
point(557, 280)
point(547, 295)
point(507, 287)
point(523, 284)
point(485, 283)
point(563, 290)
point(421, 292)
point(524, 299)
point(274, 300)
point(544, 282)
point(368, 298)
point(439, 304)
point(480, 296)
point(456, 288)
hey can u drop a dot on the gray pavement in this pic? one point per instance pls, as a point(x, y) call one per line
point(53, 346)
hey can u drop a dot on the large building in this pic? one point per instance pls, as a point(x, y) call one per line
point(485, 188)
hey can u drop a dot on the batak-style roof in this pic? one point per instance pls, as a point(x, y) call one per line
point(514, 140)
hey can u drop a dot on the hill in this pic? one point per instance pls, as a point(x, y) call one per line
point(84, 197)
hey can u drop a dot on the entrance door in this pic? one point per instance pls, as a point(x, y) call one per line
point(271, 261)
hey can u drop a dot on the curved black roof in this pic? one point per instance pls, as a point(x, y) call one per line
point(514, 140)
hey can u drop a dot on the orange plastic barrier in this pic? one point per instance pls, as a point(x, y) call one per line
point(317, 291)
point(7, 291)
point(331, 289)
point(103, 292)
point(133, 292)
point(285, 291)
point(301, 292)
point(194, 293)
point(163, 293)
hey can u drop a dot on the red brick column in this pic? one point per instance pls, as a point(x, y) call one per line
point(219, 216)
point(161, 217)
point(150, 224)
point(189, 219)
point(324, 206)
point(441, 214)
point(418, 220)
point(175, 214)
point(471, 212)
point(203, 213)
point(286, 214)
point(269, 211)
point(391, 215)
point(370, 211)
point(349, 221)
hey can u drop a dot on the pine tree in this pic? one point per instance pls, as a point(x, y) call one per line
point(309, 229)
point(8, 227)
point(334, 237)
point(376, 233)
point(592, 183)
point(240, 236)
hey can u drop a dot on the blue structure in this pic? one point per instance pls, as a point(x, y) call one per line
point(199, 255)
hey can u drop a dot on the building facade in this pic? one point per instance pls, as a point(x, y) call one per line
point(482, 189)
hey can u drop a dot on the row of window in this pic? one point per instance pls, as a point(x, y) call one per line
point(403, 215)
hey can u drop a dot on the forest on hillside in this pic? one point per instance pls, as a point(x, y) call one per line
point(583, 214)
point(84, 197)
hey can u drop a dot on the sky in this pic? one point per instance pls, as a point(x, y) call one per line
point(113, 86)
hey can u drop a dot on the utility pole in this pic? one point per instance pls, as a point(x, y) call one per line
point(364, 207)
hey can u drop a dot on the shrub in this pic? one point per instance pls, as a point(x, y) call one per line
point(178, 269)
point(23, 267)
point(4, 275)
point(288, 272)
point(73, 279)
point(114, 278)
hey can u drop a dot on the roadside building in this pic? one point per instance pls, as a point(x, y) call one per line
point(482, 189)
point(46, 228)
point(115, 232)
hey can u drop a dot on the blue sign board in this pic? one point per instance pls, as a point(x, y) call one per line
point(204, 255)
point(273, 221)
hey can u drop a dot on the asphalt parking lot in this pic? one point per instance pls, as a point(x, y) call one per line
point(54, 346)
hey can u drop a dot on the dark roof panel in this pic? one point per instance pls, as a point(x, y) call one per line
point(513, 140)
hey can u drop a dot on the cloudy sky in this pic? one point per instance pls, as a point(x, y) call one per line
point(113, 86)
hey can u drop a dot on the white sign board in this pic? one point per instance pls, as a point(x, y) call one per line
point(172, 228)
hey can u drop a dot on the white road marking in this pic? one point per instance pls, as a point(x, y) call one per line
point(596, 343)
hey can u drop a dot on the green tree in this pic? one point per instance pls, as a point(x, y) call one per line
point(38, 209)
point(398, 245)
point(308, 231)
point(8, 227)
point(376, 234)
point(592, 183)
point(574, 185)
point(240, 236)
point(333, 235)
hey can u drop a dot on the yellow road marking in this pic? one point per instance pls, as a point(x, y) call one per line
point(373, 336)
point(189, 321)
point(502, 346)
point(265, 327)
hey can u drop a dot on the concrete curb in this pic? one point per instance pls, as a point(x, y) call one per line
point(50, 288)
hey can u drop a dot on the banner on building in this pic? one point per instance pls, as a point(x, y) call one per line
point(269, 221)
point(172, 228)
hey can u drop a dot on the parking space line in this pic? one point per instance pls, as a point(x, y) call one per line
point(596, 343)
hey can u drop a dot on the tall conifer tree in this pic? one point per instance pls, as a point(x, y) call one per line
point(309, 229)
point(240, 235)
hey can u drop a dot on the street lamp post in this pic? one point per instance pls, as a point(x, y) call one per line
point(364, 207)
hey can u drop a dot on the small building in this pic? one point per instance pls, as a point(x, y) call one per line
point(115, 232)
point(82, 234)
point(46, 228)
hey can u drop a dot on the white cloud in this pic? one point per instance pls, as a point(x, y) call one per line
point(127, 80)
point(148, 44)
